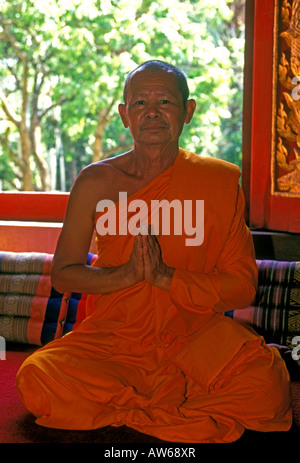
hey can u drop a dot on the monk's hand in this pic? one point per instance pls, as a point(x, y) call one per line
point(134, 269)
point(156, 272)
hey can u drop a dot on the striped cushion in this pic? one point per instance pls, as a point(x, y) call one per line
point(275, 311)
point(31, 310)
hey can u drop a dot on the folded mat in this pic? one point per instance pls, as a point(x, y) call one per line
point(275, 311)
point(31, 310)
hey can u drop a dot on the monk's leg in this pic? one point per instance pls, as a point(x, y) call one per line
point(53, 404)
point(72, 387)
point(253, 390)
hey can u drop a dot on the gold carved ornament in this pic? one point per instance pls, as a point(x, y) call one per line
point(288, 112)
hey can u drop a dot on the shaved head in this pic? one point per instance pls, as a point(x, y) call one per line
point(157, 65)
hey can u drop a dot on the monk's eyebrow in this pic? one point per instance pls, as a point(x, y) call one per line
point(159, 94)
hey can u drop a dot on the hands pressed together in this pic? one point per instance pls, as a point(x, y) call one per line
point(146, 262)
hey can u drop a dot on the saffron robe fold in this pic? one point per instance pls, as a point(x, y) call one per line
point(169, 363)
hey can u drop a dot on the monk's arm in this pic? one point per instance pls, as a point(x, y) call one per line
point(232, 285)
point(69, 270)
point(70, 276)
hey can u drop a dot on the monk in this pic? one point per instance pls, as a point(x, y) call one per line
point(155, 351)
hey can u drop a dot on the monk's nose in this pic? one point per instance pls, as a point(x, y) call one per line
point(153, 112)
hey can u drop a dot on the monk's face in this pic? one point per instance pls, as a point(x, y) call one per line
point(154, 109)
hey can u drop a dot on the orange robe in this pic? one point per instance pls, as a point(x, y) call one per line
point(169, 363)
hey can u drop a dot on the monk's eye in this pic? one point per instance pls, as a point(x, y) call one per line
point(165, 101)
point(140, 102)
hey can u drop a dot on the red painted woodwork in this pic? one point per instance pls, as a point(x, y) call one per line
point(47, 207)
point(31, 221)
point(266, 211)
point(24, 236)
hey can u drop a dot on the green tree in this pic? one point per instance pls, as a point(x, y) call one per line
point(26, 51)
point(232, 34)
point(62, 69)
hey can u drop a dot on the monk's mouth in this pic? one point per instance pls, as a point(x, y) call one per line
point(154, 127)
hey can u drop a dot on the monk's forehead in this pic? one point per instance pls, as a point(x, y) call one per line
point(153, 78)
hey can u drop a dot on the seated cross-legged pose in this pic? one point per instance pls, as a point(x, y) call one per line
point(155, 351)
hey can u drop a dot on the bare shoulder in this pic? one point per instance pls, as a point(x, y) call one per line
point(89, 187)
point(93, 175)
point(100, 174)
point(120, 164)
point(97, 181)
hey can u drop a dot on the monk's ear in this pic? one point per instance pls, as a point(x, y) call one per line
point(122, 112)
point(190, 109)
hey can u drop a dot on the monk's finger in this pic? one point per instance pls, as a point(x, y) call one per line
point(154, 245)
point(151, 253)
point(136, 261)
point(137, 248)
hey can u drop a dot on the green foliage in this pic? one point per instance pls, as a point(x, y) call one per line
point(83, 50)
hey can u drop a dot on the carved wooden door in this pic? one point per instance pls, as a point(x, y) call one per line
point(271, 150)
